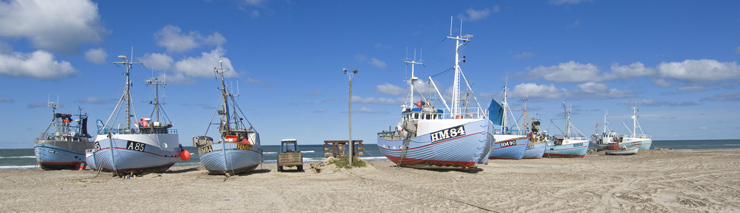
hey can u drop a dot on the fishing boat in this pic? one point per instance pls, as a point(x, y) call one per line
point(135, 147)
point(537, 143)
point(64, 147)
point(510, 143)
point(641, 140)
point(238, 149)
point(458, 137)
point(601, 141)
point(616, 149)
point(567, 145)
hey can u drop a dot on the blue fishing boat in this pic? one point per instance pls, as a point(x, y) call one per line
point(64, 147)
point(510, 143)
point(426, 137)
point(567, 145)
point(238, 150)
point(135, 147)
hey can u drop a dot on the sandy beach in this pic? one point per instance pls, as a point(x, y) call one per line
point(651, 181)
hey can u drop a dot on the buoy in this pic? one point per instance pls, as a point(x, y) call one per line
point(185, 155)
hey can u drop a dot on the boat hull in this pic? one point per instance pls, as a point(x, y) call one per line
point(228, 158)
point(567, 150)
point(535, 151)
point(622, 151)
point(56, 154)
point(124, 153)
point(509, 147)
point(455, 152)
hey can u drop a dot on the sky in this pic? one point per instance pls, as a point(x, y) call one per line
point(675, 60)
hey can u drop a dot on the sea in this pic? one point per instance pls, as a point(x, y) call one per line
point(25, 159)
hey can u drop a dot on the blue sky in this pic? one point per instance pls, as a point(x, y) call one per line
point(677, 60)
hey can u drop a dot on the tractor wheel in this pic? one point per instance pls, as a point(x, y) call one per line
point(300, 167)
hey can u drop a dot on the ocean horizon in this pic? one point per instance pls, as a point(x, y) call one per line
point(24, 158)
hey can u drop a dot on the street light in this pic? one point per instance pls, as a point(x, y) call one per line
point(351, 149)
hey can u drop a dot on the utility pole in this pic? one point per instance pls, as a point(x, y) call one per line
point(351, 144)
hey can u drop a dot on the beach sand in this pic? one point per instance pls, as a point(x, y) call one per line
point(651, 181)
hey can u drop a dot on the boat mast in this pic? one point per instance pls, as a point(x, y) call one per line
point(413, 79)
point(127, 92)
point(225, 96)
point(506, 108)
point(567, 120)
point(634, 121)
point(456, 83)
point(526, 117)
point(606, 114)
point(156, 82)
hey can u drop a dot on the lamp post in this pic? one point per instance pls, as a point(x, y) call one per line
point(351, 144)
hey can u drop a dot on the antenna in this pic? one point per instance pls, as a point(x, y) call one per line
point(450, 26)
point(460, 27)
point(237, 89)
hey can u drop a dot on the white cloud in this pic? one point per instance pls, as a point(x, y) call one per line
point(367, 110)
point(372, 100)
point(36, 104)
point(692, 88)
point(57, 26)
point(651, 102)
point(524, 55)
point(633, 70)
point(6, 100)
point(203, 66)
point(390, 89)
point(724, 97)
point(173, 40)
point(157, 61)
point(39, 64)
point(561, 2)
point(474, 15)
point(382, 46)
point(96, 55)
point(592, 90)
point(566, 72)
point(92, 100)
point(255, 3)
point(177, 78)
point(536, 91)
point(662, 82)
point(378, 63)
point(700, 70)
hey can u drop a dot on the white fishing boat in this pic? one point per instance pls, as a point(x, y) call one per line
point(537, 143)
point(238, 149)
point(568, 144)
point(641, 140)
point(64, 147)
point(621, 150)
point(457, 137)
point(135, 147)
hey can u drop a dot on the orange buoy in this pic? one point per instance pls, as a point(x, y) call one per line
point(185, 155)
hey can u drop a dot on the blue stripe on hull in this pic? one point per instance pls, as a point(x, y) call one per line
point(536, 152)
point(510, 152)
point(152, 159)
point(55, 157)
point(462, 151)
point(236, 161)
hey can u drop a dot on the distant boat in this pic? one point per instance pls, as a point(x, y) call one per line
point(640, 140)
point(238, 149)
point(621, 150)
point(63, 147)
point(510, 144)
point(566, 145)
point(427, 137)
point(135, 147)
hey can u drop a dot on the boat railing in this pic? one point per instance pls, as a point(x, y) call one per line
point(135, 131)
point(390, 135)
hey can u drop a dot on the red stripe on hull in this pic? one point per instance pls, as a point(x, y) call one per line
point(564, 156)
point(411, 161)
